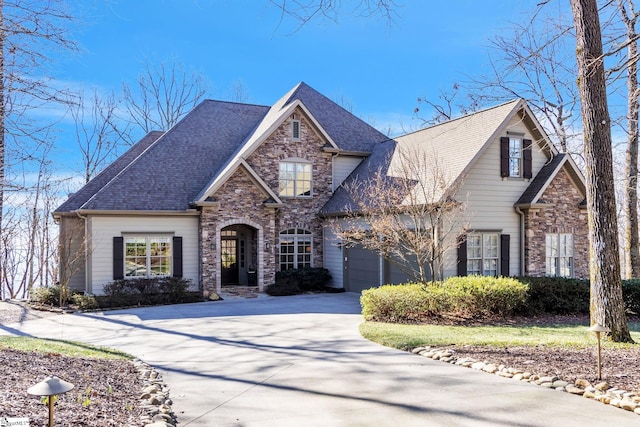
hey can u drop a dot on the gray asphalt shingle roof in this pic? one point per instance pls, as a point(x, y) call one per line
point(348, 131)
point(173, 170)
point(454, 145)
point(168, 172)
point(79, 198)
point(548, 171)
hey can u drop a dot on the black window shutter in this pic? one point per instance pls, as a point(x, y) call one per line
point(462, 256)
point(504, 156)
point(505, 239)
point(177, 256)
point(527, 168)
point(118, 258)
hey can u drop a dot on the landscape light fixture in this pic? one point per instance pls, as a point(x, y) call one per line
point(50, 386)
point(599, 329)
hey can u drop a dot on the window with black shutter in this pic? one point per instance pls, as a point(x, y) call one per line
point(505, 240)
point(118, 258)
point(462, 256)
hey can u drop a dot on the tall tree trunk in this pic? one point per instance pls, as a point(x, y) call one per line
point(607, 307)
point(632, 240)
point(2, 110)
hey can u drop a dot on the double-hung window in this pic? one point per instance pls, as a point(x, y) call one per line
point(483, 254)
point(147, 256)
point(515, 156)
point(295, 179)
point(559, 255)
point(295, 249)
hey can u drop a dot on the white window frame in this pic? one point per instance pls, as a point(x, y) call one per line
point(149, 258)
point(559, 254)
point(483, 253)
point(290, 243)
point(296, 130)
point(292, 178)
point(515, 156)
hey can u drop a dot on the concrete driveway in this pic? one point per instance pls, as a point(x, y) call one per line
point(300, 361)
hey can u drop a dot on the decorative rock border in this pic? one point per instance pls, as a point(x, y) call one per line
point(601, 392)
point(154, 398)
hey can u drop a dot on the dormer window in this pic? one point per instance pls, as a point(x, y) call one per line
point(295, 130)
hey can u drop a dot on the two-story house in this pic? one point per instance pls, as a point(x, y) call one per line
point(235, 192)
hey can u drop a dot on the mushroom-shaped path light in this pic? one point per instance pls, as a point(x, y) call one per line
point(599, 329)
point(50, 386)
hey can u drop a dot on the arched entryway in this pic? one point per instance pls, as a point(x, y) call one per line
point(238, 255)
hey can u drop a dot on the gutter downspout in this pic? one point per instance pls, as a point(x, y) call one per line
point(86, 253)
point(519, 211)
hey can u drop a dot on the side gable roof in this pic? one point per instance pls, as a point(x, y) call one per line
point(77, 199)
point(171, 172)
point(458, 144)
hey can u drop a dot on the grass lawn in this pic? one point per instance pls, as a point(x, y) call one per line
point(405, 337)
point(65, 348)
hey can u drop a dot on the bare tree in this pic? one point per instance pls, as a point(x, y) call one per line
point(607, 306)
point(97, 131)
point(448, 106)
point(27, 240)
point(632, 240)
point(30, 32)
point(304, 11)
point(405, 211)
point(162, 96)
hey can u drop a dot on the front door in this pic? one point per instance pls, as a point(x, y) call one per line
point(229, 254)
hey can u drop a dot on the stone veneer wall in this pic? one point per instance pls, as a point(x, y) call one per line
point(564, 216)
point(242, 202)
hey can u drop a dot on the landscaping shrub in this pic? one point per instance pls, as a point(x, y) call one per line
point(46, 296)
point(631, 295)
point(477, 296)
point(84, 302)
point(555, 295)
point(469, 296)
point(283, 288)
point(152, 291)
point(306, 279)
point(408, 303)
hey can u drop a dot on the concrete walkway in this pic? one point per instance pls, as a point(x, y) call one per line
point(300, 361)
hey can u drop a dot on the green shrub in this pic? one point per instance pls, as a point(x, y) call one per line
point(469, 296)
point(408, 303)
point(555, 295)
point(631, 295)
point(46, 296)
point(283, 288)
point(143, 291)
point(306, 279)
point(84, 302)
point(476, 296)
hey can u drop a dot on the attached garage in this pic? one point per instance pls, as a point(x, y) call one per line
point(361, 269)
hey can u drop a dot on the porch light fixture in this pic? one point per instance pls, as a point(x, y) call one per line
point(267, 246)
point(50, 386)
point(598, 330)
point(212, 246)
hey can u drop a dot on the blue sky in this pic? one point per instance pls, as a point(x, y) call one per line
point(379, 68)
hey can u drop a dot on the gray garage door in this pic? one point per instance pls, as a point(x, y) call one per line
point(361, 269)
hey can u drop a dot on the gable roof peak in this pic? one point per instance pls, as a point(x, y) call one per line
point(514, 102)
